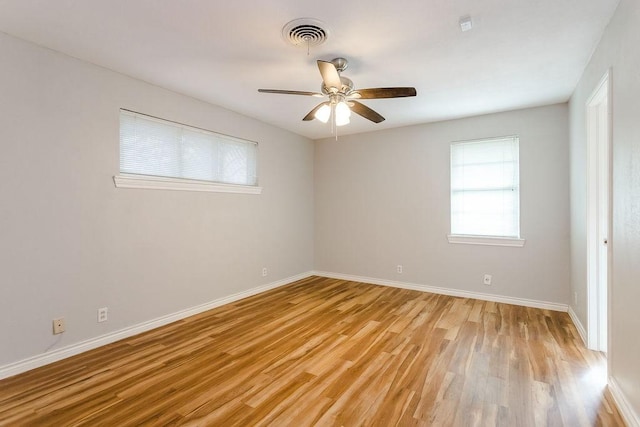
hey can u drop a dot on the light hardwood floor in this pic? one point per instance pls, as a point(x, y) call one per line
point(329, 352)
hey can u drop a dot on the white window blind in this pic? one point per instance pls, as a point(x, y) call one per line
point(156, 147)
point(485, 191)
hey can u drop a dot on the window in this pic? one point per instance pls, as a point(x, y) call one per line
point(156, 153)
point(485, 192)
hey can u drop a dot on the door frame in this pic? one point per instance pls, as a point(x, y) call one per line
point(599, 175)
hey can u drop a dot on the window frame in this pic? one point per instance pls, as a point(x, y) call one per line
point(488, 240)
point(160, 182)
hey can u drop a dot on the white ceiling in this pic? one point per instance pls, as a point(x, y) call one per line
point(520, 53)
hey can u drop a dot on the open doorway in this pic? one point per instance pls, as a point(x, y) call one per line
point(598, 214)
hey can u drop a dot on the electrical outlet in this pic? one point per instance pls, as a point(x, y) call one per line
point(264, 272)
point(575, 298)
point(487, 279)
point(58, 325)
point(103, 314)
point(399, 269)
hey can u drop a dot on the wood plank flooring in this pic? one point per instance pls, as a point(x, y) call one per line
point(329, 353)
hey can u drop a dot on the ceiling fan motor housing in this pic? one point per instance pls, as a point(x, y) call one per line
point(347, 86)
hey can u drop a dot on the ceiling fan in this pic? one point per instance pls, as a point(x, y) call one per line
point(342, 95)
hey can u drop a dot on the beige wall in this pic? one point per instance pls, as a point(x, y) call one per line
point(618, 49)
point(70, 242)
point(382, 199)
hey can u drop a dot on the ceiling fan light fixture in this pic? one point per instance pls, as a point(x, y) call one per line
point(343, 112)
point(323, 113)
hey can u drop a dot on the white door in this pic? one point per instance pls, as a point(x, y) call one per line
point(599, 210)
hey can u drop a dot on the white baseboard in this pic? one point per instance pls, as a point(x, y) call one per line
point(626, 410)
point(77, 348)
point(581, 330)
point(447, 291)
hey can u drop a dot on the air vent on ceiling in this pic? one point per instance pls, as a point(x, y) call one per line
point(305, 32)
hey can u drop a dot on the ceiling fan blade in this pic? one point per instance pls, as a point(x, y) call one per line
point(385, 92)
point(291, 92)
point(312, 114)
point(365, 112)
point(330, 76)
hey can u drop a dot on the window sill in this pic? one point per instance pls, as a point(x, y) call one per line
point(485, 240)
point(162, 183)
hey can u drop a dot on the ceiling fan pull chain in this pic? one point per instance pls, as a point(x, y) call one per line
point(334, 128)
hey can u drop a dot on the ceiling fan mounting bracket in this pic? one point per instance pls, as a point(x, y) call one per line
point(341, 64)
